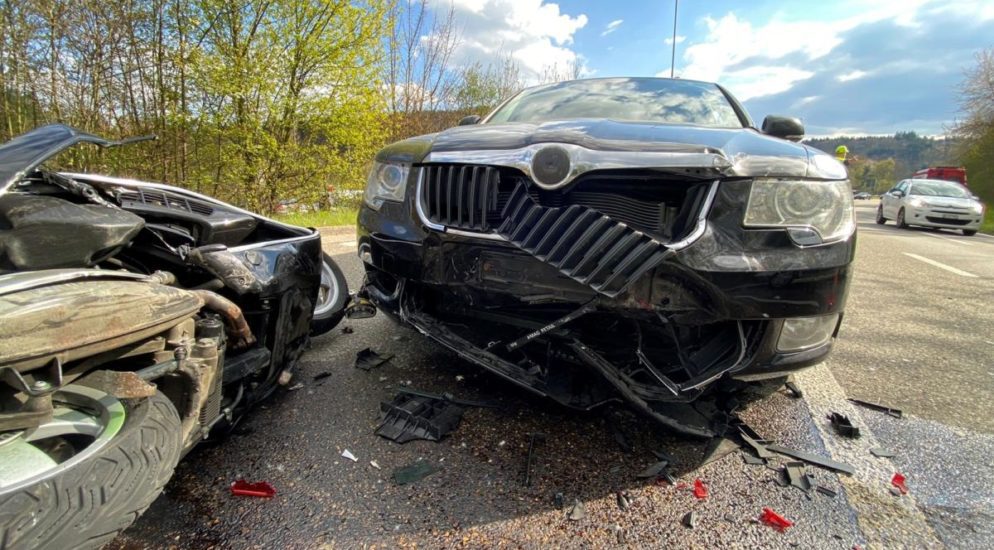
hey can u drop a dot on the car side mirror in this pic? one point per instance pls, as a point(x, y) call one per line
point(785, 127)
point(469, 120)
point(897, 193)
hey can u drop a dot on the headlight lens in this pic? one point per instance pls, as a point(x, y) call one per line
point(387, 182)
point(825, 207)
point(800, 333)
point(917, 203)
point(977, 208)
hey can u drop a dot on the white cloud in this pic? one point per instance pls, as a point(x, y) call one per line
point(779, 47)
point(534, 32)
point(612, 26)
point(853, 75)
point(679, 40)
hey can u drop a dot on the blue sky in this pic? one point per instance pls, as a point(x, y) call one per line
point(844, 67)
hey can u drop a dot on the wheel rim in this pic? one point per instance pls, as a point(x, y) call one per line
point(328, 291)
point(84, 420)
point(900, 217)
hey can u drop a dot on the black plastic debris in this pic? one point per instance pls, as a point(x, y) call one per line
point(368, 359)
point(654, 470)
point(321, 376)
point(663, 455)
point(794, 390)
point(796, 477)
point(411, 416)
point(880, 452)
point(689, 520)
point(814, 459)
point(826, 491)
point(578, 512)
point(621, 438)
point(559, 500)
point(451, 399)
point(843, 426)
point(896, 413)
point(536, 439)
point(718, 448)
point(757, 447)
point(347, 330)
point(753, 460)
point(414, 472)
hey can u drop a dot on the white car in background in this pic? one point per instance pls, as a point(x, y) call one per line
point(931, 203)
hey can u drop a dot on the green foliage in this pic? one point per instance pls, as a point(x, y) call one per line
point(321, 218)
point(977, 156)
point(254, 101)
point(909, 151)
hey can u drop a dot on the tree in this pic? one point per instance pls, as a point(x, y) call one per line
point(976, 129)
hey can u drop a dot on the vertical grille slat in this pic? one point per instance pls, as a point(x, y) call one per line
point(585, 241)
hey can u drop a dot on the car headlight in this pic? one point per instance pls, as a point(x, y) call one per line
point(387, 182)
point(917, 203)
point(977, 208)
point(814, 212)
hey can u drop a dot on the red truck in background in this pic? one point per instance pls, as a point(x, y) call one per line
point(948, 173)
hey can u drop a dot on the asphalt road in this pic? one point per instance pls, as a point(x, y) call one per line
point(917, 336)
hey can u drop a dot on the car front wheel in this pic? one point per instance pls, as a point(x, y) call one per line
point(333, 296)
point(79, 479)
point(880, 215)
point(900, 219)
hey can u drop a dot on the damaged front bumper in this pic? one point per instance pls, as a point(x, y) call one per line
point(559, 298)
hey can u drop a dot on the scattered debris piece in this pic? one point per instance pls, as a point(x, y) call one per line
point(663, 455)
point(502, 443)
point(535, 440)
point(775, 520)
point(578, 512)
point(700, 490)
point(826, 491)
point(754, 460)
point(880, 452)
point(383, 379)
point(843, 426)
point(285, 377)
point(654, 470)
point(760, 449)
point(794, 390)
point(321, 375)
point(797, 477)
point(261, 489)
point(813, 459)
point(559, 500)
point(347, 330)
point(450, 398)
point(624, 499)
point(899, 481)
point(460, 378)
point(414, 472)
point(895, 491)
point(410, 416)
point(295, 387)
point(718, 448)
point(375, 464)
point(896, 413)
point(400, 338)
point(689, 520)
point(348, 454)
point(782, 478)
point(367, 359)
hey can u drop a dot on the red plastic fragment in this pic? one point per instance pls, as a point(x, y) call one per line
point(775, 520)
point(898, 481)
point(261, 489)
point(700, 491)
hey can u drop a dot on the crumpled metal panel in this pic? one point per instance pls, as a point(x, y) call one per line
point(83, 317)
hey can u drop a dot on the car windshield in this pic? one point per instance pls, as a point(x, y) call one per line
point(629, 99)
point(938, 189)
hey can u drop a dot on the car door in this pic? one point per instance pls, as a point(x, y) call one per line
point(891, 201)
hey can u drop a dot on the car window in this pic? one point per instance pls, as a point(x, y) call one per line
point(927, 188)
point(630, 99)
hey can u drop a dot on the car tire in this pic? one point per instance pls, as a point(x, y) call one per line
point(86, 504)
point(969, 232)
point(900, 219)
point(880, 215)
point(332, 299)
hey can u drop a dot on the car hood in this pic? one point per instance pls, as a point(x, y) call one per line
point(730, 151)
point(26, 151)
point(940, 202)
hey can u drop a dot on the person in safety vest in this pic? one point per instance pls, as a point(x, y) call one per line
point(842, 154)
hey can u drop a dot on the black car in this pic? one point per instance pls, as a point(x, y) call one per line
point(632, 238)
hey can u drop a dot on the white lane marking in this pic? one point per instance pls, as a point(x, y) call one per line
point(957, 241)
point(866, 490)
point(948, 268)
